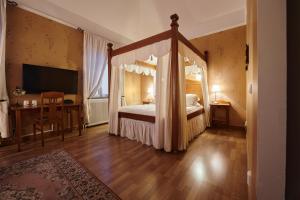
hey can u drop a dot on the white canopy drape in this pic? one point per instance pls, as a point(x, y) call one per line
point(163, 117)
point(199, 62)
point(158, 49)
point(140, 70)
point(163, 107)
point(94, 67)
point(3, 92)
point(163, 137)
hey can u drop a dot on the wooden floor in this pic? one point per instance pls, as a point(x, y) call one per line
point(214, 166)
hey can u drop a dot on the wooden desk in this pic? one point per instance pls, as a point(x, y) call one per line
point(224, 106)
point(17, 110)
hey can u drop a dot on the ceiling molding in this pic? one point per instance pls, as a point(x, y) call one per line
point(63, 16)
point(124, 23)
point(46, 16)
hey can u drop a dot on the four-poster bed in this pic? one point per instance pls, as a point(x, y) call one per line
point(165, 119)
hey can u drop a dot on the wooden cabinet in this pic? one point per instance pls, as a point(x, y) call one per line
point(216, 107)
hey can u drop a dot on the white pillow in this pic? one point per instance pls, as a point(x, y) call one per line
point(191, 99)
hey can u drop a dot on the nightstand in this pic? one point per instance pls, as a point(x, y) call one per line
point(225, 107)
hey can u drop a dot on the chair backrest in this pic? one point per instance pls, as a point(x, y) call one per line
point(52, 106)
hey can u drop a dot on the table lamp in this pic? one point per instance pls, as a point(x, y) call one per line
point(215, 89)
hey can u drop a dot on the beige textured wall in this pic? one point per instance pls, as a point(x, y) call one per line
point(136, 87)
point(33, 39)
point(251, 98)
point(194, 87)
point(226, 67)
point(132, 88)
point(146, 82)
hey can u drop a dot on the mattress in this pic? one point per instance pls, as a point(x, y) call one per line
point(149, 109)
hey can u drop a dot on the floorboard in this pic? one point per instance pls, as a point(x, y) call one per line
point(214, 166)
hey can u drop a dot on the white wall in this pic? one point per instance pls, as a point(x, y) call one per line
point(271, 99)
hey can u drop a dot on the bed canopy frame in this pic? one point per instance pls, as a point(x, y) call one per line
point(175, 37)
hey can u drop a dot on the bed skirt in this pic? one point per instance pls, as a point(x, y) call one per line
point(143, 132)
point(140, 131)
point(195, 126)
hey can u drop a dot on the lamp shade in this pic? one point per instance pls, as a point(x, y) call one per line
point(216, 88)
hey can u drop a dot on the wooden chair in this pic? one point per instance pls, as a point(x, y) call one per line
point(51, 113)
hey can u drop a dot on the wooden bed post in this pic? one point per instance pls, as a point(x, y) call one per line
point(206, 57)
point(109, 56)
point(174, 81)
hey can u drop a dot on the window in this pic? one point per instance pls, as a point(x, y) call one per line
point(103, 90)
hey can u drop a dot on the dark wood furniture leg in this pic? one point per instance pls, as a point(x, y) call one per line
point(34, 132)
point(79, 119)
point(42, 134)
point(62, 135)
point(62, 129)
point(16, 114)
point(71, 120)
point(227, 116)
point(212, 116)
point(18, 129)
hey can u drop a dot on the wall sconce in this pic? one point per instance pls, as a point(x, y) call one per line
point(216, 88)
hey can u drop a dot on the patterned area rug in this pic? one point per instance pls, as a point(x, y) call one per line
point(51, 176)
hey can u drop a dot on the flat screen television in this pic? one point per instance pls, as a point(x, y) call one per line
point(37, 79)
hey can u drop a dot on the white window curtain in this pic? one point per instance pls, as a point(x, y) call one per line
point(3, 92)
point(95, 70)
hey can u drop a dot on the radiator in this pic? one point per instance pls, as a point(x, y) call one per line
point(99, 111)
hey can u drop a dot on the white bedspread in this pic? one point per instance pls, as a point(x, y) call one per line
point(143, 132)
point(149, 109)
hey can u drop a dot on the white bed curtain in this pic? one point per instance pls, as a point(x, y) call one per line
point(122, 87)
point(162, 138)
point(163, 105)
point(140, 70)
point(183, 139)
point(114, 99)
point(205, 93)
point(3, 92)
point(94, 67)
point(188, 53)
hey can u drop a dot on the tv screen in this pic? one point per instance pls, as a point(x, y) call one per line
point(37, 79)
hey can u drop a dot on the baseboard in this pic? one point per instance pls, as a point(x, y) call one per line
point(242, 128)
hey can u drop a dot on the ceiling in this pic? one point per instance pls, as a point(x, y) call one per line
point(124, 21)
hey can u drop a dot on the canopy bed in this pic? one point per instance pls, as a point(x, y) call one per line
point(175, 118)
